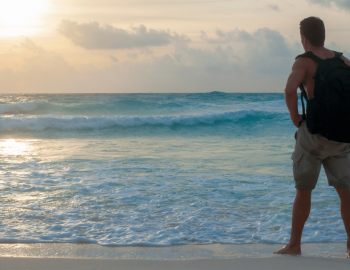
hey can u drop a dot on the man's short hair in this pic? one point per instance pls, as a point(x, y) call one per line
point(313, 29)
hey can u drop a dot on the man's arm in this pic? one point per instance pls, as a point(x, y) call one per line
point(297, 76)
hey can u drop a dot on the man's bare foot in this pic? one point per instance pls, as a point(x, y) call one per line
point(348, 248)
point(287, 249)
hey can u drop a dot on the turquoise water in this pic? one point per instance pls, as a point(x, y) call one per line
point(153, 169)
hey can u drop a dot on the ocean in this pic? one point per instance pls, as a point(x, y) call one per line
point(153, 170)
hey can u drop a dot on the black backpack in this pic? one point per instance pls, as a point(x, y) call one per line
point(328, 114)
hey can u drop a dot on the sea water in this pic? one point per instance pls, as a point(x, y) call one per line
point(153, 169)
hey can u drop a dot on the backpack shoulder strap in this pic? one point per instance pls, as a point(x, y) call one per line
point(302, 96)
point(338, 54)
point(310, 55)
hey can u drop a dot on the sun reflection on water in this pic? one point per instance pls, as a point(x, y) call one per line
point(14, 147)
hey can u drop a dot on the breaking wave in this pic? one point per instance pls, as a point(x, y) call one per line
point(44, 122)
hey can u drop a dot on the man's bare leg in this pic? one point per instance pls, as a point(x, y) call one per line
point(301, 211)
point(344, 195)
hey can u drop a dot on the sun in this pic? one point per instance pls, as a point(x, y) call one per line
point(17, 17)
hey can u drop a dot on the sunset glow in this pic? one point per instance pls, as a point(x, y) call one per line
point(160, 46)
point(18, 16)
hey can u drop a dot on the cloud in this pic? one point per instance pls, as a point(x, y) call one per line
point(339, 3)
point(261, 64)
point(265, 50)
point(39, 71)
point(274, 7)
point(146, 51)
point(237, 61)
point(113, 58)
point(132, 55)
point(31, 46)
point(220, 38)
point(93, 36)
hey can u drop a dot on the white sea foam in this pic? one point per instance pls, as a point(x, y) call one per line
point(160, 187)
point(110, 106)
point(39, 123)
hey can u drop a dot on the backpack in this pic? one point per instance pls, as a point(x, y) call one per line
point(328, 113)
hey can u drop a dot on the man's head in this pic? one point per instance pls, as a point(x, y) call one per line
point(313, 29)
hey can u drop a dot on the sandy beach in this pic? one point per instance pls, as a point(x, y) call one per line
point(59, 256)
point(275, 262)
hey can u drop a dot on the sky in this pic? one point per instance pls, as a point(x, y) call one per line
point(158, 46)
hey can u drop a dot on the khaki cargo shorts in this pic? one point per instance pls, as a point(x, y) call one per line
point(312, 150)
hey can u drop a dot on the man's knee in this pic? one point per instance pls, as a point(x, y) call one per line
point(303, 194)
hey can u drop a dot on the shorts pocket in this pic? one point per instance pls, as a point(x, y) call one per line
point(296, 157)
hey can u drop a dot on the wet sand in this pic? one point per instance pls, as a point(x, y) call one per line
point(44, 256)
point(276, 262)
point(175, 252)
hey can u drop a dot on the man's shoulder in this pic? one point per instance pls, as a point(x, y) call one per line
point(303, 63)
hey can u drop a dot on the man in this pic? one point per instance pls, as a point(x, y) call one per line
point(312, 150)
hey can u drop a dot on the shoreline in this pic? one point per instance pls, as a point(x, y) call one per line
point(175, 252)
